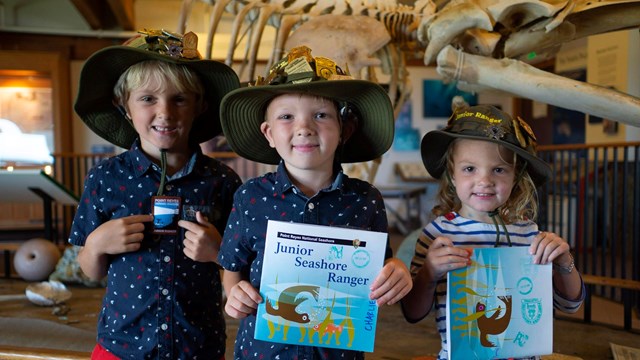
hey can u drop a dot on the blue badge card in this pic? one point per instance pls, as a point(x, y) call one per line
point(315, 282)
point(500, 306)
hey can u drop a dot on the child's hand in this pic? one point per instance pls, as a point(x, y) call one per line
point(392, 284)
point(118, 236)
point(242, 300)
point(549, 247)
point(443, 257)
point(201, 239)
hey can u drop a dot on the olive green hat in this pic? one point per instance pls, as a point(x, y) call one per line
point(484, 122)
point(243, 110)
point(95, 102)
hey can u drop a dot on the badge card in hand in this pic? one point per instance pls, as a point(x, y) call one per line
point(166, 214)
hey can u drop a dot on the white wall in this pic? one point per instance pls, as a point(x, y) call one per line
point(613, 61)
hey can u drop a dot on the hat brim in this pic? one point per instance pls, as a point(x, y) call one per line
point(94, 103)
point(242, 111)
point(435, 143)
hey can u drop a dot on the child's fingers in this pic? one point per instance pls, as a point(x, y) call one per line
point(136, 219)
point(533, 248)
point(242, 301)
point(236, 309)
point(199, 227)
point(392, 284)
point(441, 242)
point(546, 247)
point(444, 256)
point(202, 220)
point(538, 246)
point(443, 246)
point(253, 297)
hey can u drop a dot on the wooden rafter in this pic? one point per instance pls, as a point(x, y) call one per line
point(102, 14)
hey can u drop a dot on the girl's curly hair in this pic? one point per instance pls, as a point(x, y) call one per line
point(521, 205)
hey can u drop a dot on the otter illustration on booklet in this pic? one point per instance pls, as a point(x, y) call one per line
point(316, 283)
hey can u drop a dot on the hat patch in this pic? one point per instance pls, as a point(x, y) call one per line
point(166, 43)
point(478, 115)
point(300, 67)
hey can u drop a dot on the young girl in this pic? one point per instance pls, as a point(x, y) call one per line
point(488, 172)
point(159, 100)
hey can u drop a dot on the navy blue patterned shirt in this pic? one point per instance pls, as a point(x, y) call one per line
point(158, 303)
point(347, 202)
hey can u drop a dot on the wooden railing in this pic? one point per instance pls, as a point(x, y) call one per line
point(19, 353)
point(594, 202)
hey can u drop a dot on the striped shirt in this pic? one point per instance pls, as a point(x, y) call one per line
point(471, 233)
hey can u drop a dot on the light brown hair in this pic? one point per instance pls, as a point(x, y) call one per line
point(522, 203)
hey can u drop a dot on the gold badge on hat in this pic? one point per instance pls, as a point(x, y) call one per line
point(325, 67)
point(521, 124)
point(299, 70)
point(518, 133)
point(190, 46)
point(299, 51)
point(167, 43)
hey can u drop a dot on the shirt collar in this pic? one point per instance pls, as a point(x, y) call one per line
point(285, 184)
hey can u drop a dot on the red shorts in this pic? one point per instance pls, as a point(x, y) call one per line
point(100, 353)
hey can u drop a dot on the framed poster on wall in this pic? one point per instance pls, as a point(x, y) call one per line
point(437, 97)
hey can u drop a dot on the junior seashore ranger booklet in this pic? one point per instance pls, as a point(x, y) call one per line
point(500, 306)
point(315, 282)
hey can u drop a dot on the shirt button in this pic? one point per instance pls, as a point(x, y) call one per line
point(165, 291)
point(311, 206)
point(164, 327)
point(167, 259)
point(169, 187)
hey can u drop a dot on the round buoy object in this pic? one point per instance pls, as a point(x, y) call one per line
point(36, 259)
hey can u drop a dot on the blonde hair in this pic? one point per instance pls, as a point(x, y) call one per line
point(140, 74)
point(522, 203)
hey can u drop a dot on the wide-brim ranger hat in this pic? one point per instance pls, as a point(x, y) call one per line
point(484, 122)
point(95, 101)
point(243, 110)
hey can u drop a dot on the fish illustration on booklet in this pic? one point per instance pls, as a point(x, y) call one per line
point(501, 306)
point(315, 282)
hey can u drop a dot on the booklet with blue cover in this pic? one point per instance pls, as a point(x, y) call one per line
point(500, 306)
point(315, 282)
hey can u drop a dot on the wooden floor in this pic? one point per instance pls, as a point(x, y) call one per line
point(395, 339)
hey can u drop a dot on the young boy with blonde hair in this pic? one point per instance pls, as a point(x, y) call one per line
point(308, 116)
point(150, 218)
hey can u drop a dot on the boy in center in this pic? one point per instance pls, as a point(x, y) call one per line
point(308, 116)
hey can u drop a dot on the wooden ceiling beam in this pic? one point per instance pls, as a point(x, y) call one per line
point(101, 14)
point(123, 11)
point(91, 11)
